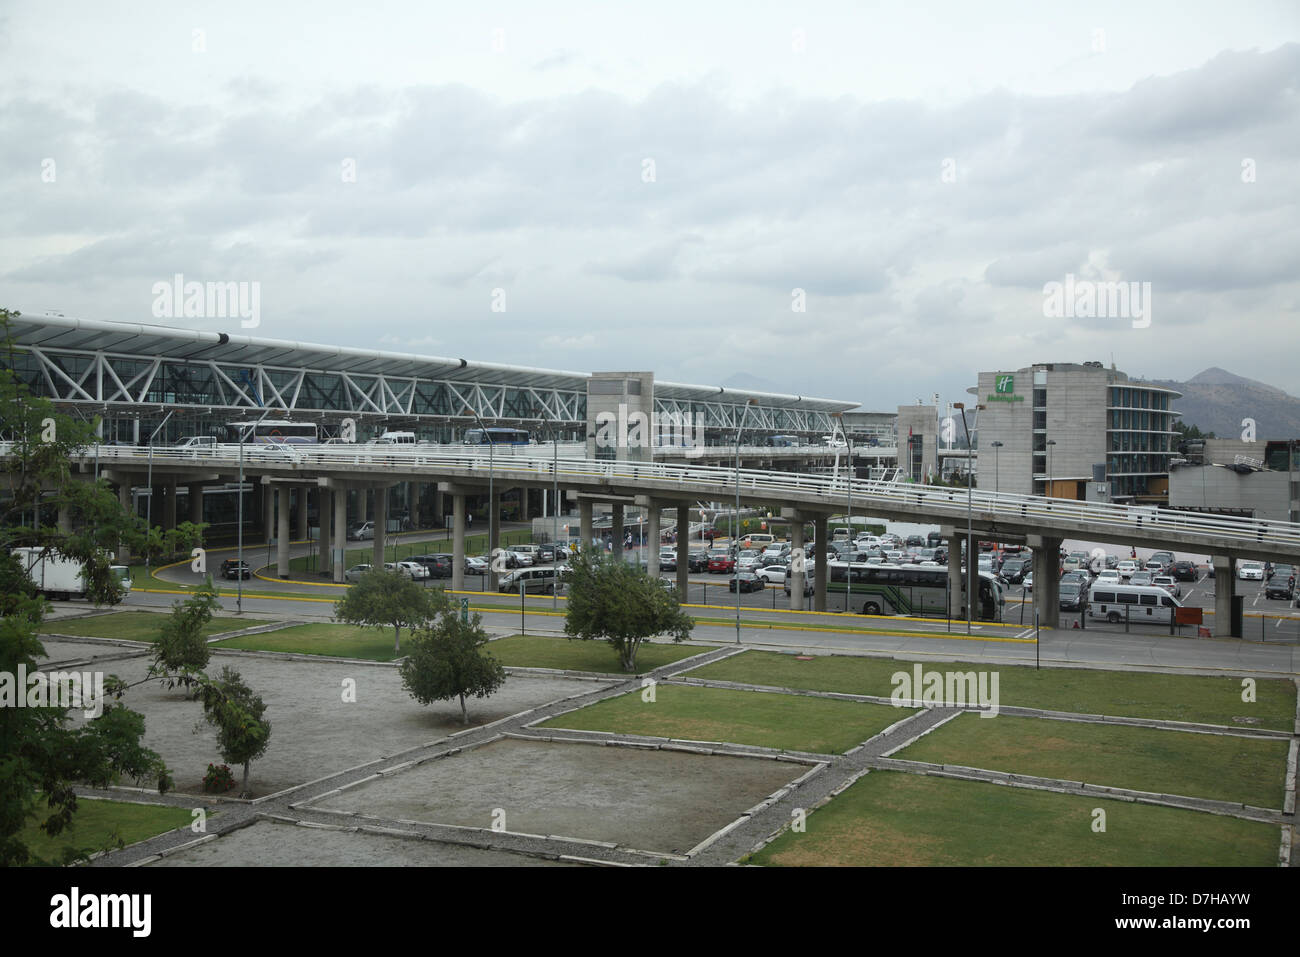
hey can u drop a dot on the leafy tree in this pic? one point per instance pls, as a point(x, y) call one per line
point(621, 604)
point(243, 734)
point(181, 645)
point(448, 661)
point(41, 756)
point(384, 599)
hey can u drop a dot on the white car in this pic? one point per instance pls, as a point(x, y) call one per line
point(747, 560)
point(413, 570)
point(772, 574)
point(1251, 571)
point(1126, 569)
point(354, 573)
point(1168, 583)
point(1108, 575)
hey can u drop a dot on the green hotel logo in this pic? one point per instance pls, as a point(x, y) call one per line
point(1005, 384)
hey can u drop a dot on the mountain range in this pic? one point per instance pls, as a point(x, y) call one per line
point(1217, 401)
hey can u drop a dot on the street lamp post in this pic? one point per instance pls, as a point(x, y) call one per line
point(996, 483)
point(555, 505)
point(735, 518)
point(848, 575)
point(494, 517)
point(239, 534)
point(149, 482)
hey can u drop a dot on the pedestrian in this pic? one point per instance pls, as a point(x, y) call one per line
point(469, 520)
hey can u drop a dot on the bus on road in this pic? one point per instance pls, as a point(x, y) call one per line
point(274, 432)
point(496, 436)
point(915, 590)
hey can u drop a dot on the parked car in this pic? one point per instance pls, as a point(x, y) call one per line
point(543, 580)
point(1126, 568)
point(915, 541)
point(1184, 570)
point(1028, 581)
point(808, 587)
point(1282, 582)
point(1110, 575)
point(438, 566)
point(668, 561)
point(1015, 569)
point(1072, 593)
point(354, 573)
point(747, 560)
point(747, 581)
point(476, 564)
point(1251, 571)
point(234, 568)
point(412, 570)
point(1169, 583)
point(1142, 578)
point(722, 563)
point(363, 532)
point(697, 561)
point(772, 574)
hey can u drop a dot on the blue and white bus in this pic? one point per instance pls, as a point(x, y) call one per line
point(496, 436)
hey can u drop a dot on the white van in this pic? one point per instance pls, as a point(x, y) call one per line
point(193, 443)
point(395, 438)
point(544, 580)
point(759, 540)
point(1142, 604)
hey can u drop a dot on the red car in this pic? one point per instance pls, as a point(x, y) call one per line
point(722, 563)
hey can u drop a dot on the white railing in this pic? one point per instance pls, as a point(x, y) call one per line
point(707, 481)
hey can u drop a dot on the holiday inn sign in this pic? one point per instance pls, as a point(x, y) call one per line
point(1004, 389)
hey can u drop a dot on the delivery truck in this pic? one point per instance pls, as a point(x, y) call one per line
point(58, 577)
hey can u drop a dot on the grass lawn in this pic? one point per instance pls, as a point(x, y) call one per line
point(136, 626)
point(742, 717)
point(98, 824)
point(341, 641)
point(1146, 759)
point(889, 818)
point(525, 651)
point(1210, 700)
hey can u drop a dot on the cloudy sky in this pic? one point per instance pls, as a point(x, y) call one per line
point(665, 186)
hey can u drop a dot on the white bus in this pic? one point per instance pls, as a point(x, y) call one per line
point(1148, 604)
point(912, 590)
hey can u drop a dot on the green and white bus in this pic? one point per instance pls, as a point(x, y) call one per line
point(913, 590)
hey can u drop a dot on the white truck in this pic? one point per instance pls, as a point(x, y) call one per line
point(58, 577)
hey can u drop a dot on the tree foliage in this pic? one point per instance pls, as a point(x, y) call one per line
point(243, 734)
point(448, 660)
point(182, 646)
point(622, 604)
point(388, 599)
point(42, 755)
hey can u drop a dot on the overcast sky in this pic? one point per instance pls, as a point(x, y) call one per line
point(645, 186)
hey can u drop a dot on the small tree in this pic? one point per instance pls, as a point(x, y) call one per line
point(384, 598)
point(181, 646)
point(449, 661)
point(622, 604)
point(230, 705)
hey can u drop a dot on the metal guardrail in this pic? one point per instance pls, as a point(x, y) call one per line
point(703, 481)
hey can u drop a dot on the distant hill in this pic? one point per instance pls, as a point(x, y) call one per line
point(1216, 400)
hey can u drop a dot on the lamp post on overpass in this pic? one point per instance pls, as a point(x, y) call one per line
point(494, 517)
point(996, 484)
point(735, 518)
point(1050, 444)
point(853, 545)
point(555, 504)
point(149, 482)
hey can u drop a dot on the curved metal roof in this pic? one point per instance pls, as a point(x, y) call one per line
point(129, 338)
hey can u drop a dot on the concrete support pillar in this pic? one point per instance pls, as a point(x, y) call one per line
point(972, 573)
point(683, 550)
point(268, 512)
point(416, 495)
point(822, 542)
point(494, 538)
point(796, 551)
point(324, 510)
point(363, 505)
point(956, 604)
point(339, 561)
point(381, 526)
point(585, 531)
point(458, 542)
point(1225, 586)
point(304, 528)
point(124, 499)
point(1047, 581)
point(439, 507)
point(616, 529)
point(652, 536)
point(282, 535)
point(65, 519)
point(169, 510)
point(196, 502)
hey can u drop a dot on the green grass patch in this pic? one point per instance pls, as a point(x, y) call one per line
point(1220, 767)
point(741, 717)
point(340, 641)
point(528, 651)
point(889, 818)
point(98, 825)
point(136, 626)
point(1204, 699)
